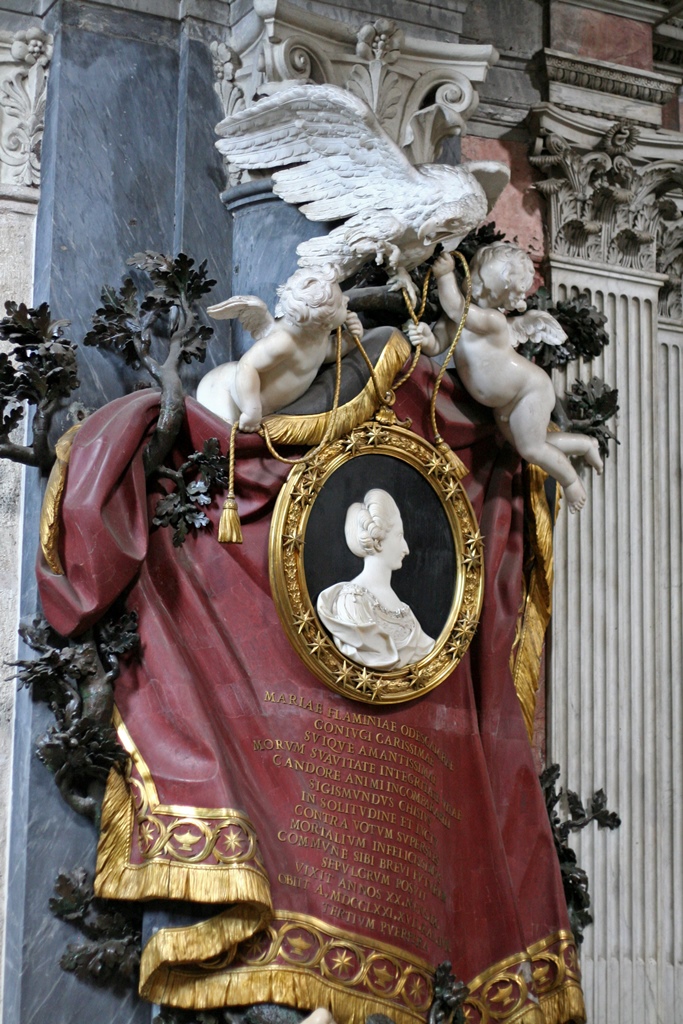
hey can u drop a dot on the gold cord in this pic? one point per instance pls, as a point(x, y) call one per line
point(263, 430)
point(468, 298)
point(415, 317)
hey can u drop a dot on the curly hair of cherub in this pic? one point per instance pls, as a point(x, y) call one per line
point(309, 296)
point(368, 522)
point(494, 261)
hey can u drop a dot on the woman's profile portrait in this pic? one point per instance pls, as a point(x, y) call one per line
point(366, 619)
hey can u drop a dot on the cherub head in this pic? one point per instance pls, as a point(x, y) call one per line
point(502, 274)
point(312, 297)
point(374, 527)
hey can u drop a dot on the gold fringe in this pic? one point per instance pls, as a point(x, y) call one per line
point(564, 1005)
point(117, 878)
point(309, 430)
point(229, 527)
point(49, 514)
point(289, 985)
point(217, 937)
point(538, 603)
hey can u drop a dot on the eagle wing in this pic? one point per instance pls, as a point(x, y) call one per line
point(338, 159)
point(251, 312)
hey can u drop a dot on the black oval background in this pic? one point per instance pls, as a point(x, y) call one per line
point(426, 580)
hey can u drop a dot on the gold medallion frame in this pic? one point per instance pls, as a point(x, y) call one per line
point(288, 582)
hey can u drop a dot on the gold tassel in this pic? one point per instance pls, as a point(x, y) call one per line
point(229, 527)
point(458, 466)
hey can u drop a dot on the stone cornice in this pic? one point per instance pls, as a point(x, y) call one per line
point(667, 42)
point(602, 89)
point(615, 79)
point(585, 133)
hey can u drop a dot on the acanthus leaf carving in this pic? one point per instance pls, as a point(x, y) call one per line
point(23, 91)
point(604, 206)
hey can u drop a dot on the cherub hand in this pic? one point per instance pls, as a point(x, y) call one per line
point(353, 325)
point(443, 264)
point(249, 424)
point(421, 334)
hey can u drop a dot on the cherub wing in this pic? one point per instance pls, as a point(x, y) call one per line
point(341, 161)
point(535, 326)
point(251, 312)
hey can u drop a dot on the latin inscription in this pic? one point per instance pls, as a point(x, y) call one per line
point(372, 811)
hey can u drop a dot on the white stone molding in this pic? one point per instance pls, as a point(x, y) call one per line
point(421, 91)
point(614, 712)
point(603, 89)
point(24, 59)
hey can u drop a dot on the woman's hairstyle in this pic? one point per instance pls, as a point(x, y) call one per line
point(368, 522)
point(308, 296)
point(494, 261)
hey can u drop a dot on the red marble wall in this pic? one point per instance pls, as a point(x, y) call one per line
point(518, 211)
point(602, 36)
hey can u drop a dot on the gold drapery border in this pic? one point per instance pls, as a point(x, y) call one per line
point(117, 877)
point(500, 995)
point(265, 970)
point(311, 429)
point(537, 606)
point(49, 513)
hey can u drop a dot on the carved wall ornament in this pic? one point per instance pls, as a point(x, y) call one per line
point(24, 60)
point(421, 92)
point(604, 207)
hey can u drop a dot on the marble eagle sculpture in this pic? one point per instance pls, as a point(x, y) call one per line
point(337, 163)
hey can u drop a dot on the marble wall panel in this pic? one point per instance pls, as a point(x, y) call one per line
point(108, 168)
point(608, 37)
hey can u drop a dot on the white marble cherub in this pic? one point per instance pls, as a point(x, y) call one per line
point(520, 393)
point(288, 349)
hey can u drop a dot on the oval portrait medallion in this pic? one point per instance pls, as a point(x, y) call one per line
point(376, 564)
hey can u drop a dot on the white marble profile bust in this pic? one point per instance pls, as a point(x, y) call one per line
point(367, 621)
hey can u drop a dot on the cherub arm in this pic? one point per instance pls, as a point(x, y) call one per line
point(352, 326)
point(480, 321)
point(263, 356)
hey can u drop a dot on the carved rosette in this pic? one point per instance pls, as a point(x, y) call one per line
point(421, 96)
point(24, 60)
point(606, 208)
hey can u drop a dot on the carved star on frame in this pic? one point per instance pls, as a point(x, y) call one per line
point(364, 681)
point(318, 643)
point(293, 541)
point(435, 464)
point(376, 434)
point(304, 494)
point(344, 674)
point(352, 444)
point(303, 620)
